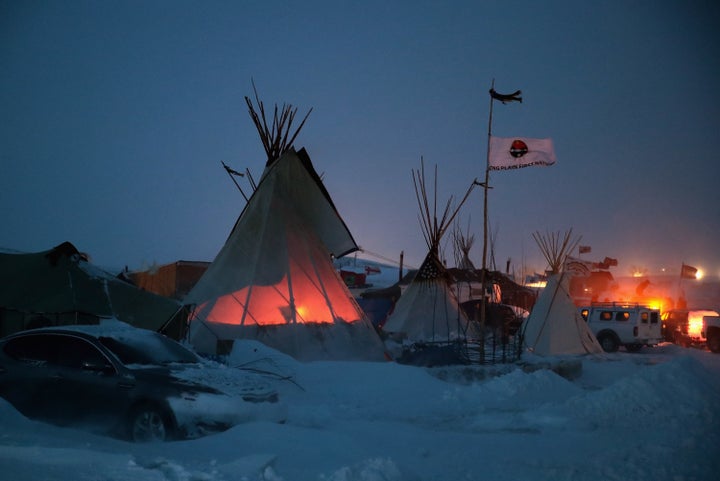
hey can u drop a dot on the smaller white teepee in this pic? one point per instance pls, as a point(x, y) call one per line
point(428, 310)
point(554, 326)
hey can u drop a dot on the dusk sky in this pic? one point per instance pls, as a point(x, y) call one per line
point(115, 117)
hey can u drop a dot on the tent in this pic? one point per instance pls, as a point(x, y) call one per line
point(554, 326)
point(428, 310)
point(60, 286)
point(274, 280)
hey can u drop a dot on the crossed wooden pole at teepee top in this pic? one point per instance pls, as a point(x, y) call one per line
point(276, 138)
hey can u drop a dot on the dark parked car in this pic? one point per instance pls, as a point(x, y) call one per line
point(128, 382)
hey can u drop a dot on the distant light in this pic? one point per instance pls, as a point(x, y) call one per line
point(699, 274)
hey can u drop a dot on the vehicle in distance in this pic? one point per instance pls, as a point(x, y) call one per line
point(618, 324)
point(685, 326)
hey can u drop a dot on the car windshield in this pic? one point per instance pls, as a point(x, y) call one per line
point(149, 349)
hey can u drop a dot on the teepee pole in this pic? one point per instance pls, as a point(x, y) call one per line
point(485, 186)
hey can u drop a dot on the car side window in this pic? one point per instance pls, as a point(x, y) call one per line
point(34, 349)
point(606, 316)
point(77, 353)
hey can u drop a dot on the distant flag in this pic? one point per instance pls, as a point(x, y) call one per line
point(505, 98)
point(607, 263)
point(688, 272)
point(577, 267)
point(584, 249)
point(516, 152)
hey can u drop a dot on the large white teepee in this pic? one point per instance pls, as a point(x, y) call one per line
point(554, 326)
point(274, 280)
point(428, 310)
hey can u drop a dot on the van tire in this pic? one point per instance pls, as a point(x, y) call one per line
point(608, 341)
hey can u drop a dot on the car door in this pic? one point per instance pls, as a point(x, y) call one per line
point(27, 381)
point(87, 386)
point(646, 328)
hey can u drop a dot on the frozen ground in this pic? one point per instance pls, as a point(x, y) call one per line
point(647, 416)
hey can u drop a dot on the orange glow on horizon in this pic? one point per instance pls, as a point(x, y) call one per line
point(655, 303)
point(695, 321)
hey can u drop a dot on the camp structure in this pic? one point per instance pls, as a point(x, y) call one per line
point(273, 280)
point(428, 311)
point(60, 287)
point(462, 243)
point(170, 280)
point(555, 326)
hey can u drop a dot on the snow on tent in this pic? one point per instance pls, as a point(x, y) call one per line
point(274, 280)
point(60, 286)
point(554, 326)
point(428, 311)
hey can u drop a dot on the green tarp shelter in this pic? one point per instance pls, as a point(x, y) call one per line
point(60, 287)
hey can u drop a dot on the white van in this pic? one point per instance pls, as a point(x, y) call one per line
point(629, 325)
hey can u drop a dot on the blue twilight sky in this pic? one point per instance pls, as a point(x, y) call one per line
point(115, 117)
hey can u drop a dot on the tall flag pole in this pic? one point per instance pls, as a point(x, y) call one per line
point(504, 98)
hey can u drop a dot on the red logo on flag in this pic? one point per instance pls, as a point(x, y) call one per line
point(518, 148)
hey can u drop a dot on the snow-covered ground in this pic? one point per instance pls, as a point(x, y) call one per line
point(653, 415)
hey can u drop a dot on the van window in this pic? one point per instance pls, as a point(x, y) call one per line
point(622, 316)
point(653, 318)
point(644, 317)
point(584, 313)
point(606, 315)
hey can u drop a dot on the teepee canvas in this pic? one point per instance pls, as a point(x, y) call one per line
point(554, 326)
point(274, 281)
point(428, 310)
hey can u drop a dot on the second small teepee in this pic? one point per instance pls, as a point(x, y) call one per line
point(428, 310)
point(555, 326)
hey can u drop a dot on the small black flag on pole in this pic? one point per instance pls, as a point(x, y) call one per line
point(688, 272)
point(232, 171)
point(505, 98)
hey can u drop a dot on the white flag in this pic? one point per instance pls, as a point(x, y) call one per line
point(517, 152)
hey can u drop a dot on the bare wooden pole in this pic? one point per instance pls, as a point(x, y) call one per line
point(485, 186)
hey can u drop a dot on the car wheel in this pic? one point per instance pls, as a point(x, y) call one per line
point(149, 423)
point(608, 342)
